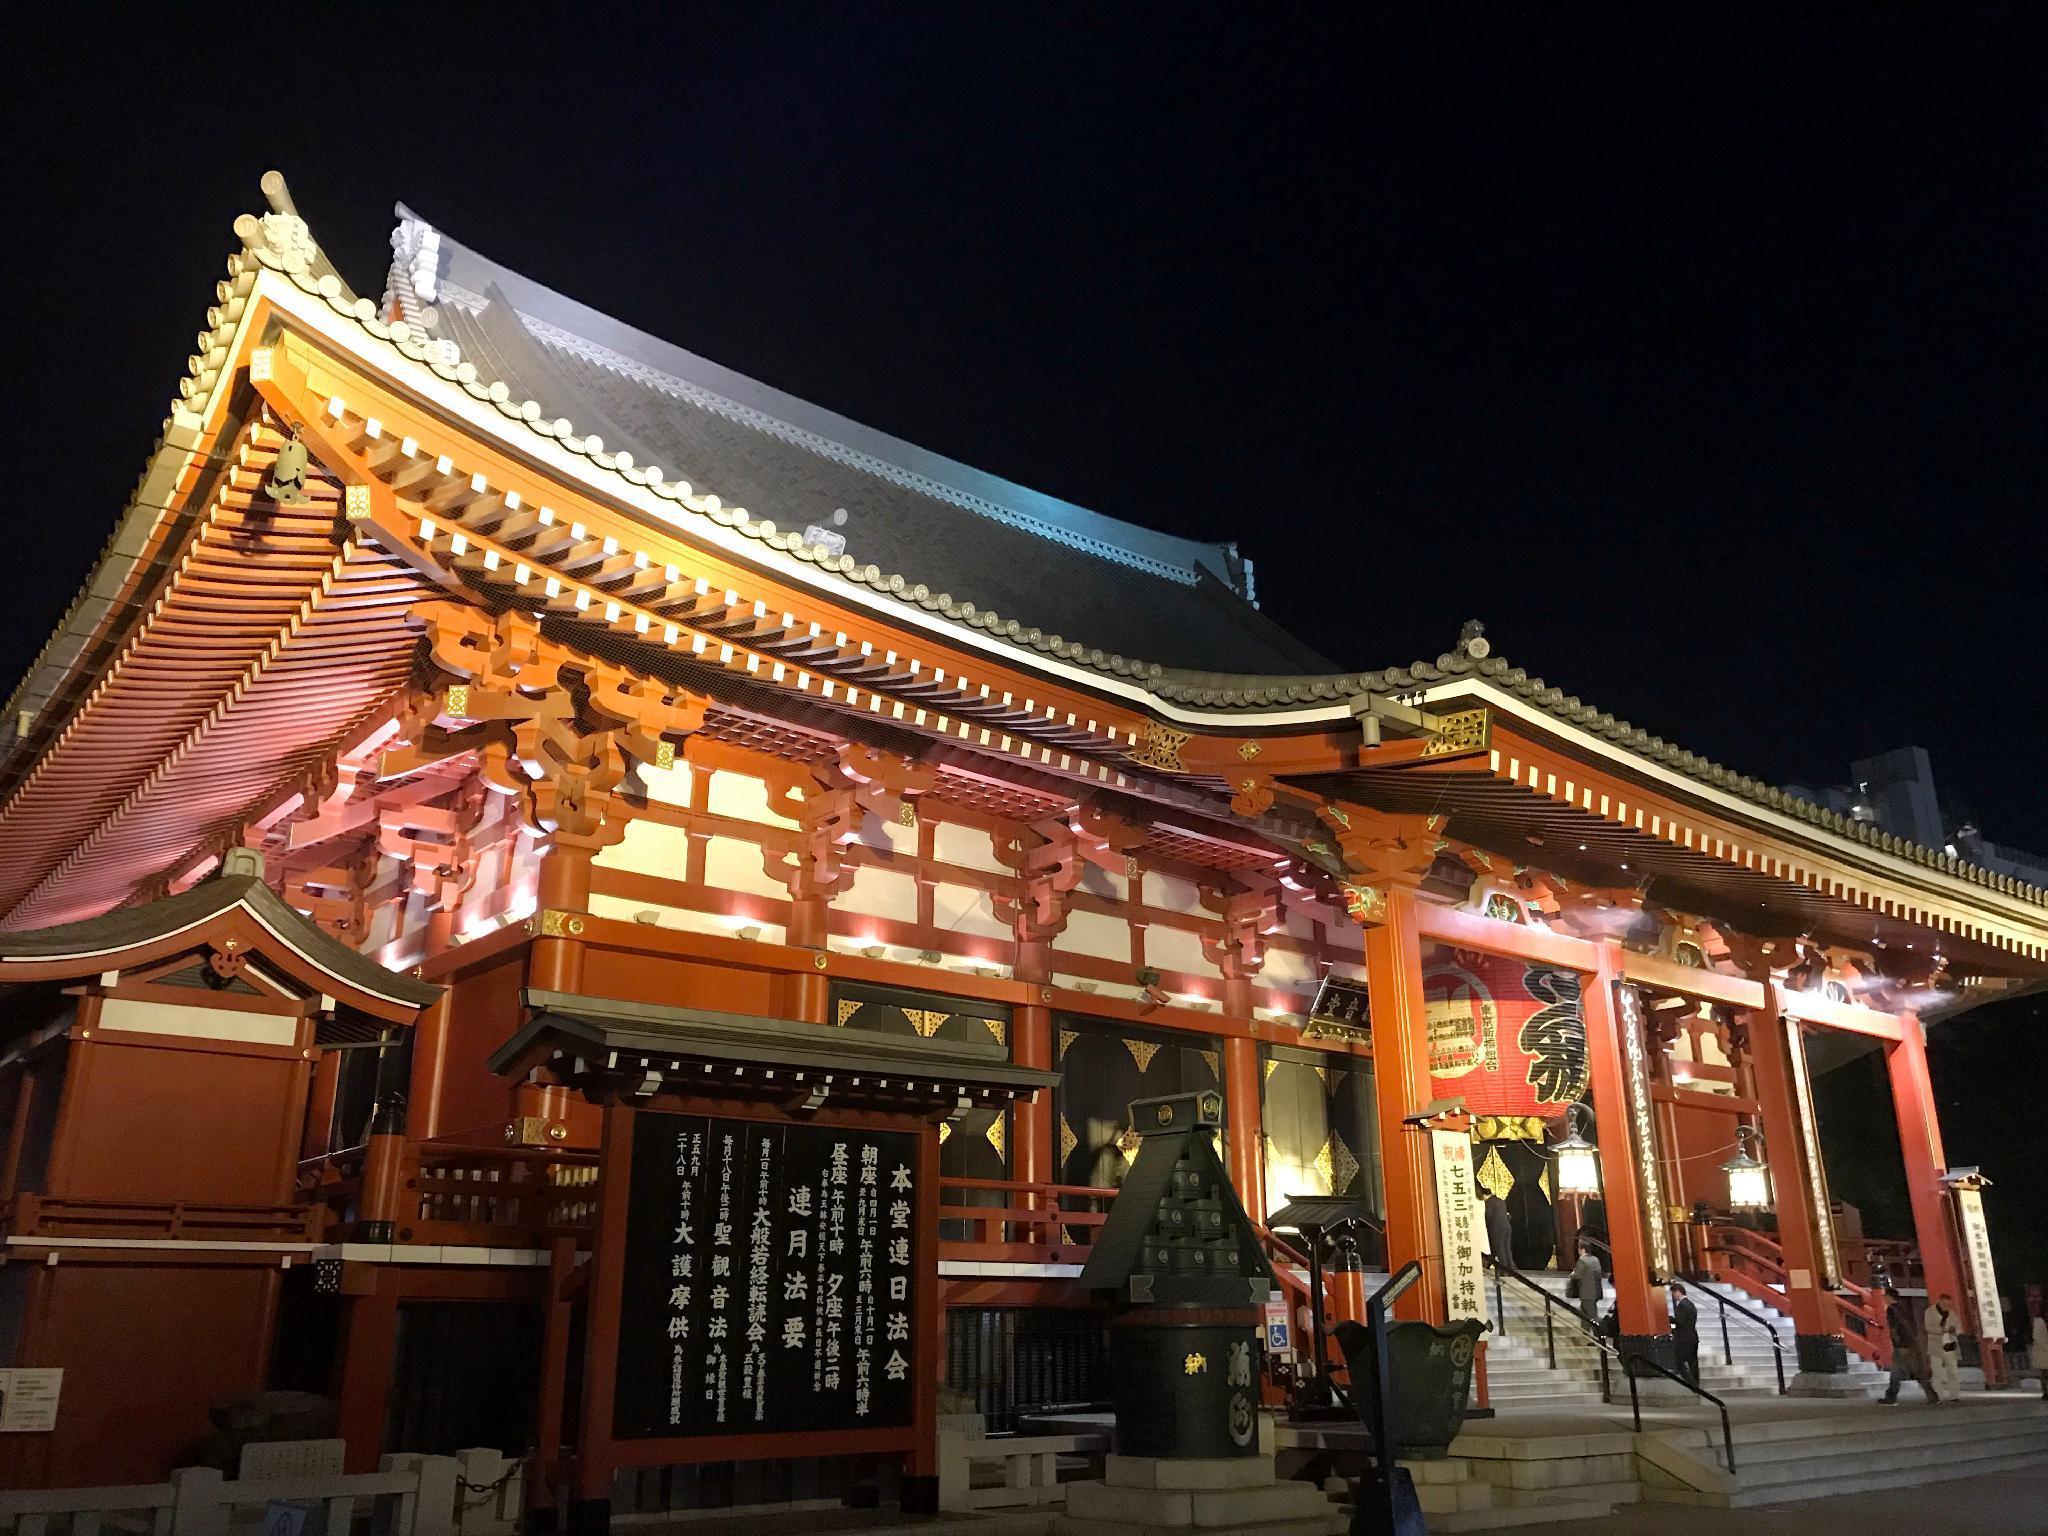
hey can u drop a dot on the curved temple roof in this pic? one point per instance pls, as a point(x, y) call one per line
point(959, 531)
point(1177, 612)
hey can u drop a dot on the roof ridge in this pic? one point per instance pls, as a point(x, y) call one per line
point(1474, 657)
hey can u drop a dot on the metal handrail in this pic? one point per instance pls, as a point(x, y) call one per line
point(1551, 1303)
point(1727, 1344)
point(1635, 1404)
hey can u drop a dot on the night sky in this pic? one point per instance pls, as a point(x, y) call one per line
point(1703, 360)
point(1700, 351)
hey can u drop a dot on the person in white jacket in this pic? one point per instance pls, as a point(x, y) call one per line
point(1945, 1349)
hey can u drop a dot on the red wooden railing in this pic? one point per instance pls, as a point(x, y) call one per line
point(452, 1194)
point(32, 1215)
point(1019, 1223)
point(1755, 1262)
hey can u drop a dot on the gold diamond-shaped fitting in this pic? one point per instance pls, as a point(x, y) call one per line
point(1248, 751)
point(1343, 1166)
point(926, 1021)
point(1495, 1175)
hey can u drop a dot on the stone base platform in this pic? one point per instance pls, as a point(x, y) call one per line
point(1152, 1496)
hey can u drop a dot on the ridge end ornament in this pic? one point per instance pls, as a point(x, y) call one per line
point(1469, 730)
point(1159, 747)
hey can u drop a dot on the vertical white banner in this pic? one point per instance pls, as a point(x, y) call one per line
point(1977, 1249)
point(1458, 1214)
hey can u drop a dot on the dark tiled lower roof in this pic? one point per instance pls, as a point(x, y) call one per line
point(131, 927)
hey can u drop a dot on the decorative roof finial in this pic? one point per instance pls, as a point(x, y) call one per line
point(1472, 640)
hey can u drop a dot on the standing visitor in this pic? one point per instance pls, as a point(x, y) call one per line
point(1945, 1349)
point(1500, 1231)
point(1685, 1333)
point(1906, 1365)
point(2039, 1351)
point(1585, 1285)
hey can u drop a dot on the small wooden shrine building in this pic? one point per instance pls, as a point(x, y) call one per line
point(511, 791)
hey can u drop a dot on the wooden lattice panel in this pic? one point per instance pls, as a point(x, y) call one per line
point(790, 743)
point(1013, 802)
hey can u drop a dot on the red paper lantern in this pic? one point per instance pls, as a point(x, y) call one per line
point(1505, 1035)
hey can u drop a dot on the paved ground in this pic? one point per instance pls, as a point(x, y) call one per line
point(2003, 1504)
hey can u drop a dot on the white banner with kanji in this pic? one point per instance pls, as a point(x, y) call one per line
point(1457, 1209)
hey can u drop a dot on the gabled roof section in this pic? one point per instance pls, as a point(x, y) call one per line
point(228, 906)
point(970, 544)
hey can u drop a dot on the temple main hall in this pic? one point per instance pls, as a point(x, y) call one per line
point(557, 898)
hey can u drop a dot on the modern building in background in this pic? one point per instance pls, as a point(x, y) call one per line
point(562, 898)
point(1895, 792)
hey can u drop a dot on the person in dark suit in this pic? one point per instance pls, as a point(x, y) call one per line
point(1685, 1333)
point(1500, 1231)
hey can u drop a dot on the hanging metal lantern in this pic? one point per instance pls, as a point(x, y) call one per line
point(1578, 1160)
point(1749, 1178)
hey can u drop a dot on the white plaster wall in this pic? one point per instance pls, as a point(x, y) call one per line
point(879, 893)
point(682, 919)
point(968, 847)
point(670, 786)
point(732, 864)
point(963, 909)
point(1091, 933)
point(1171, 895)
point(743, 798)
point(1097, 881)
point(649, 848)
point(1177, 949)
point(1288, 968)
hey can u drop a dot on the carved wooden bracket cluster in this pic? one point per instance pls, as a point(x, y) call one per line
point(548, 724)
point(829, 802)
point(1239, 951)
point(437, 842)
point(1047, 858)
point(1381, 851)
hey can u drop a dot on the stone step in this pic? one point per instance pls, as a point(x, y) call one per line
point(1785, 1462)
point(1976, 1463)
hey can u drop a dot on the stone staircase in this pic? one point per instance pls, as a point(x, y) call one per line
point(1518, 1359)
point(1788, 1460)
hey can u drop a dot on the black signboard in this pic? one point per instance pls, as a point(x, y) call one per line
point(770, 1279)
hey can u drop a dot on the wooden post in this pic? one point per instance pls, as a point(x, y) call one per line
point(429, 1067)
point(1031, 1131)
point(370, 1335)
point(554, 1379)
point(1638, 1301)
point(1816, 1316)
point(1400, 1032)
point(1926, 1162)
point(1243, 1133)
point(590, 1509)
point(556, 963)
